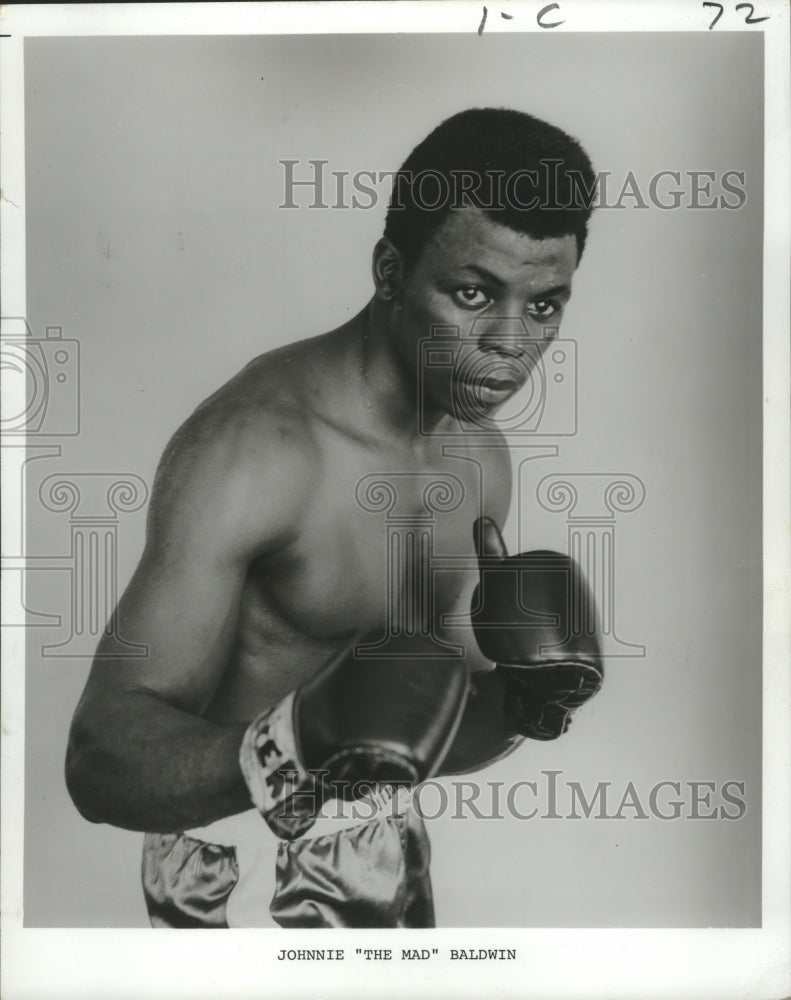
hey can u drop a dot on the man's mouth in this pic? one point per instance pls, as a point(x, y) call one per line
point(498, 383)
point(488, 389)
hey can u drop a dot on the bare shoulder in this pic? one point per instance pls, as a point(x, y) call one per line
point(241, 467)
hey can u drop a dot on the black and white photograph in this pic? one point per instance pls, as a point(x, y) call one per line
point(395, 480)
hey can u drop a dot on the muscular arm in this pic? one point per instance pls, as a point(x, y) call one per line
point(140, 755)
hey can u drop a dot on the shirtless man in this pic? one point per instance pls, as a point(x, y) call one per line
point(262, 566)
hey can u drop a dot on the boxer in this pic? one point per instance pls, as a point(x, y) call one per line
point(263, 747)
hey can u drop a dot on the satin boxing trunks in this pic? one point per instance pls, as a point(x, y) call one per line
point(362, 864)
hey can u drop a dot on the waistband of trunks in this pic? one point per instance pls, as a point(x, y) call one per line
point(334, 815)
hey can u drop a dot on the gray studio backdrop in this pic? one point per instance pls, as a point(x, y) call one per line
point(155, 241)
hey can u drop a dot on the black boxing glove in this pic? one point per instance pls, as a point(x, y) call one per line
point(535, 617)
point(358, 722)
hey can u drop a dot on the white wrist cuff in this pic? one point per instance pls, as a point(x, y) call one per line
point(268, 758)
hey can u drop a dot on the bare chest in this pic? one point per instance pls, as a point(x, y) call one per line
point(373, 538)
point(386, 544)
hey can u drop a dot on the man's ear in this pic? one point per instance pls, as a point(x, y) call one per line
point(388, 269)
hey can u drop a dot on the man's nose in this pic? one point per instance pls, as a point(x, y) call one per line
point(505, 335)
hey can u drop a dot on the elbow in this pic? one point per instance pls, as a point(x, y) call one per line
point(81, 778)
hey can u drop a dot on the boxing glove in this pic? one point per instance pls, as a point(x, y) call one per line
point(360, 721)
point(535, 618)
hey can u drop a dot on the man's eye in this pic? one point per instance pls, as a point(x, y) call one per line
point(471, 296)
point(543, 308)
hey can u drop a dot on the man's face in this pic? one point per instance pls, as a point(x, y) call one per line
point(503, 290)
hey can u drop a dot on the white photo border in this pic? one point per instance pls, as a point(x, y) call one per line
point(747, 963)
